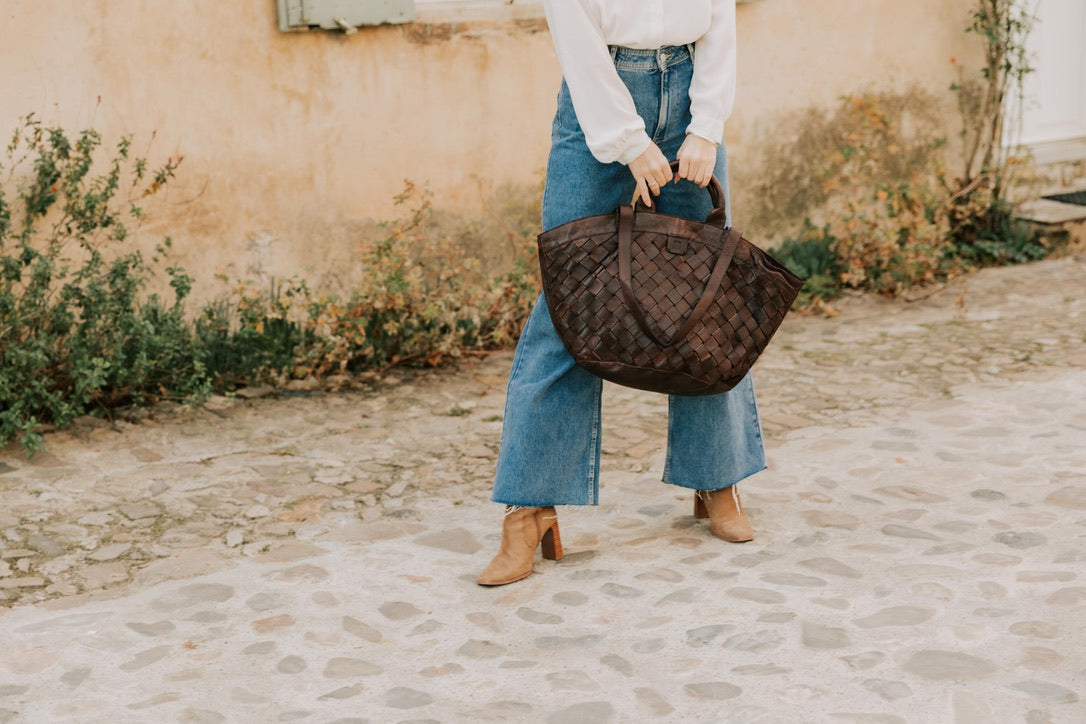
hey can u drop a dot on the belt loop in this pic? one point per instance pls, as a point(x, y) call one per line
point(613, 49)
point(690, 49)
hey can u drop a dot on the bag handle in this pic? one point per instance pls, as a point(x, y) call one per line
point(625, 277)
point(716, 217)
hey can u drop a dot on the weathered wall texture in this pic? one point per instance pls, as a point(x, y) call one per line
point(294, 141)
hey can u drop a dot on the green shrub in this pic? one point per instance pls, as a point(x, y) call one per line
point(422, 301)
point(812, 256)
point(75, 333)
point(985, 232)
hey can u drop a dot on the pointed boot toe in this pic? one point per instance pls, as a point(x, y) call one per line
point(724, 510)
point(523, 530)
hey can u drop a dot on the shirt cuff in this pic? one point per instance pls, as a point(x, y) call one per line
point(633, 147)
point(707, 128)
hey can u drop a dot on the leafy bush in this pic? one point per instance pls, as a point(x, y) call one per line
point(813, 257)
point(80, 333)
point(74, 331)
point(421, 301)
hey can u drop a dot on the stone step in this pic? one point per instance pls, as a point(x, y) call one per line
point(1056, 218)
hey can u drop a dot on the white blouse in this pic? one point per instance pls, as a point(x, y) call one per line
point(582, 30)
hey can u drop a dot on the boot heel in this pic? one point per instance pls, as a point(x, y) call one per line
point(552, 544)
point(700, 511)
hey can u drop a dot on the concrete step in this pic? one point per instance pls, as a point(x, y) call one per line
point(1056, 218)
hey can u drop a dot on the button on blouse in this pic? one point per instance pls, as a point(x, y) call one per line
point(582, 30)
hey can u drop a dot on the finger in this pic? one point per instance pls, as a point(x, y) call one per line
point(663, 174)
point(643, 191)
point(704, 174)
point(684, 168)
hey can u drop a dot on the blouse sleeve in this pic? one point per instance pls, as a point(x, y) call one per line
point(712, 90)
point(612, 128)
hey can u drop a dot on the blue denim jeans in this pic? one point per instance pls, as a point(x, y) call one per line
point(550, 448)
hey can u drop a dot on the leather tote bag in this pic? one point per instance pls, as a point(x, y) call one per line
point(663, 303)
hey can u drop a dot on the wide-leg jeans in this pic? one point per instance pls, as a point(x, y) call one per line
point(550, 448)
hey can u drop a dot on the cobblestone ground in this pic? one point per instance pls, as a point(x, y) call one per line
point(919, 553)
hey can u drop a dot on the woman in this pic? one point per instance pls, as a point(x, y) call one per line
point(645, 81)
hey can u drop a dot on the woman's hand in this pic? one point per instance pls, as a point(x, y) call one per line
point(697, 158)
point(651, 170)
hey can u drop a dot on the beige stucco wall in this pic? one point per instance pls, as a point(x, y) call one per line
point(293, 140)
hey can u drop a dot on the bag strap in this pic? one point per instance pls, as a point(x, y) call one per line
point(717, 217)
point(625, 276)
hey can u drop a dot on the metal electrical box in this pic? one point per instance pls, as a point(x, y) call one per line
point(345, 15)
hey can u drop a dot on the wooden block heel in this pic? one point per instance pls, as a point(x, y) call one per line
point(552, 544)
point(699, 507)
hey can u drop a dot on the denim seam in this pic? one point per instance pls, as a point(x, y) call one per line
point(752, 401)
point(593, 447)
point(662, 113)
point(670, 429)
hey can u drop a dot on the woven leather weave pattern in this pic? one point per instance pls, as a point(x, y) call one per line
point(671, 263)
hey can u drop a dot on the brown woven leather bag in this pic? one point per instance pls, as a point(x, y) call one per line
point(663, 303)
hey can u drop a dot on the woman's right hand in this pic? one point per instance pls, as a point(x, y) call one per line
point(651, 170)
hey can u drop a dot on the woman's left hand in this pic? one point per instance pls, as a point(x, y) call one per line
point(697, 158)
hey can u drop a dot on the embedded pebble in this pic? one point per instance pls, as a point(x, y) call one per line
point(618, 663)
point(758, 595)
point(703, 635)
point(714, 690)
point(110, 552)
point(1047, 692)
point(160, 628)
point(477, 649)
point(456, 540)
point(361, 630)
point(345, 668)
point(533, 616)
point(904, 531)
point(832, 567)
point(584, 713)
point(1020, 539)
point(896, 616)
point(889, 690)
point(1073, 497)
point(948, 666)
point(399, 610)
point(570, 598)
point(817, 636)
point(1071, 596)
point(402, 697)
point(291, 665)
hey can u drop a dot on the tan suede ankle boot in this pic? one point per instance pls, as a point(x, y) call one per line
point(523, 530)
point(727, 520)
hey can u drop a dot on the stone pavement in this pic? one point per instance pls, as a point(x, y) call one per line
point(919, 555)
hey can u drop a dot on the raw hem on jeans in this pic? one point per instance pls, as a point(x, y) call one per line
point(716, 487)
point(540, 504)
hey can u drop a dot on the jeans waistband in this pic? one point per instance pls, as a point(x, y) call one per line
point(650, 58)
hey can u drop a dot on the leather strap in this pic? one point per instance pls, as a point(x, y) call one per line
point(716, 217)
point(625, 276)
